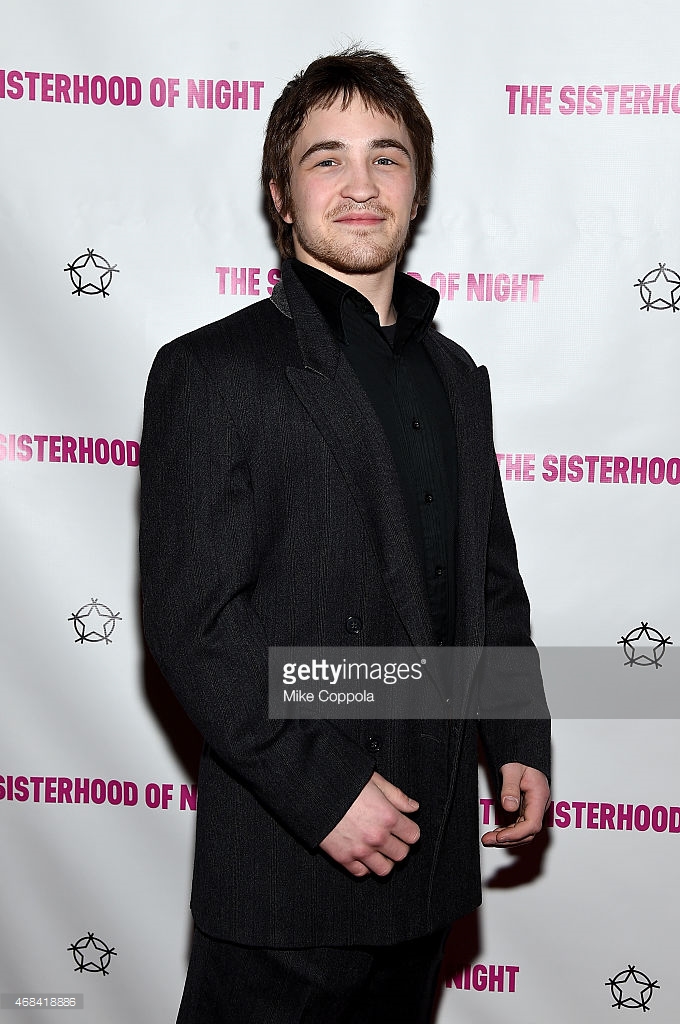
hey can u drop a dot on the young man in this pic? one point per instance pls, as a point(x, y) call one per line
point(318, 469)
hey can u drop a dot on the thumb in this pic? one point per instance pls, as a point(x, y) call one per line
point(396, 796)
point(510, 790)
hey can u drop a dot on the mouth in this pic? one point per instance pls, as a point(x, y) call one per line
point(360, 219)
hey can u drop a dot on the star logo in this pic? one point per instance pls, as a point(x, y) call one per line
point(632, 989)
point(91, 274)
point(94, 622)
point(644, 645)
point(660, 289)
point(91, 954)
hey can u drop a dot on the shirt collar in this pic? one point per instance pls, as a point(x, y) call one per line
point(414, 302)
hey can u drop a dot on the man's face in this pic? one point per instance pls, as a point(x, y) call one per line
point(352, 189)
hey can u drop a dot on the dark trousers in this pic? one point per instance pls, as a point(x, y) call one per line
point(232, 984)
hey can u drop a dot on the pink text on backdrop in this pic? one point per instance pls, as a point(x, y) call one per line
point(610, 469)
point(620, 99)
point(591, 469)
point(54, 87)
point(484, 287)
point(479, 287)
point(65, 448)
point(619, 817)
point(128, 90)
point(520, 466)
point(59, 789)
point(239, 280)
point(485, 978)
point(208, 93)
point(590, 814)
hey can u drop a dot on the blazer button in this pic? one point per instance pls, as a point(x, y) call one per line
point(374, 744)
point(353, 624)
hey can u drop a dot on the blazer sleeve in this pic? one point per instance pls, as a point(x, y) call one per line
point(199, 564)
point(512, 677)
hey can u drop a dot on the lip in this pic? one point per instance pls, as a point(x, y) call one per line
point(360, 218)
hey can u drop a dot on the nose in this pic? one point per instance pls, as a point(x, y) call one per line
point(359, 182)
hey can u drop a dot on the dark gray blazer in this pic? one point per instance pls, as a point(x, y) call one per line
point(272, 515)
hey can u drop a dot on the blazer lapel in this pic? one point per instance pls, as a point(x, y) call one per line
point(330, 391)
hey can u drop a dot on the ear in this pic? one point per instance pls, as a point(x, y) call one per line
point(414, 210)
point(278, 201)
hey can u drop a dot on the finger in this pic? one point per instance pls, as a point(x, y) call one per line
point(356, 868)
point(394, 849)
point(533, 809)
point(511, 794)
point(518, 834)
point(490, 838)
point(393, 838)
point(396, 796)
point(378, 864)
point(406, 830)
point(512, 835)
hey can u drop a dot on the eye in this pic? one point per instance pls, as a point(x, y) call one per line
point(385, 161)
point(328, 162)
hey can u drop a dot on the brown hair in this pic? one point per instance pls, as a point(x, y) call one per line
point(381, 85)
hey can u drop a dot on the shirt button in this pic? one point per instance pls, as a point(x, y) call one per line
point(353, 624)
point(438, 571)
point(374, 744)
point(415, 424)
point(428, 498)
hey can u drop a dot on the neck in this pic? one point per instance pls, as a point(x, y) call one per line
point(377, 288)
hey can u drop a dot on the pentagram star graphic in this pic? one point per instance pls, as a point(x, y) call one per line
point(660, 289)
point(91, 274)
point(92, 954)
point(644, 645)
point(632, 989)
point(94, 622)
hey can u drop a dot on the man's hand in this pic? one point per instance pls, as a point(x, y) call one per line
point(374, 832)
point(526, 791)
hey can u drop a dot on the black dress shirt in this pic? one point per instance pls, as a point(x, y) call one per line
point(407, 394)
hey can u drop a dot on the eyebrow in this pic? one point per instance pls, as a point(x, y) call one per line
point(330, 145)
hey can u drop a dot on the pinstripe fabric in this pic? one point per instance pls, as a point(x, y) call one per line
point(271, 514)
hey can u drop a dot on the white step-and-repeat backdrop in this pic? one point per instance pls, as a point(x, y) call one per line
point(130, 213)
